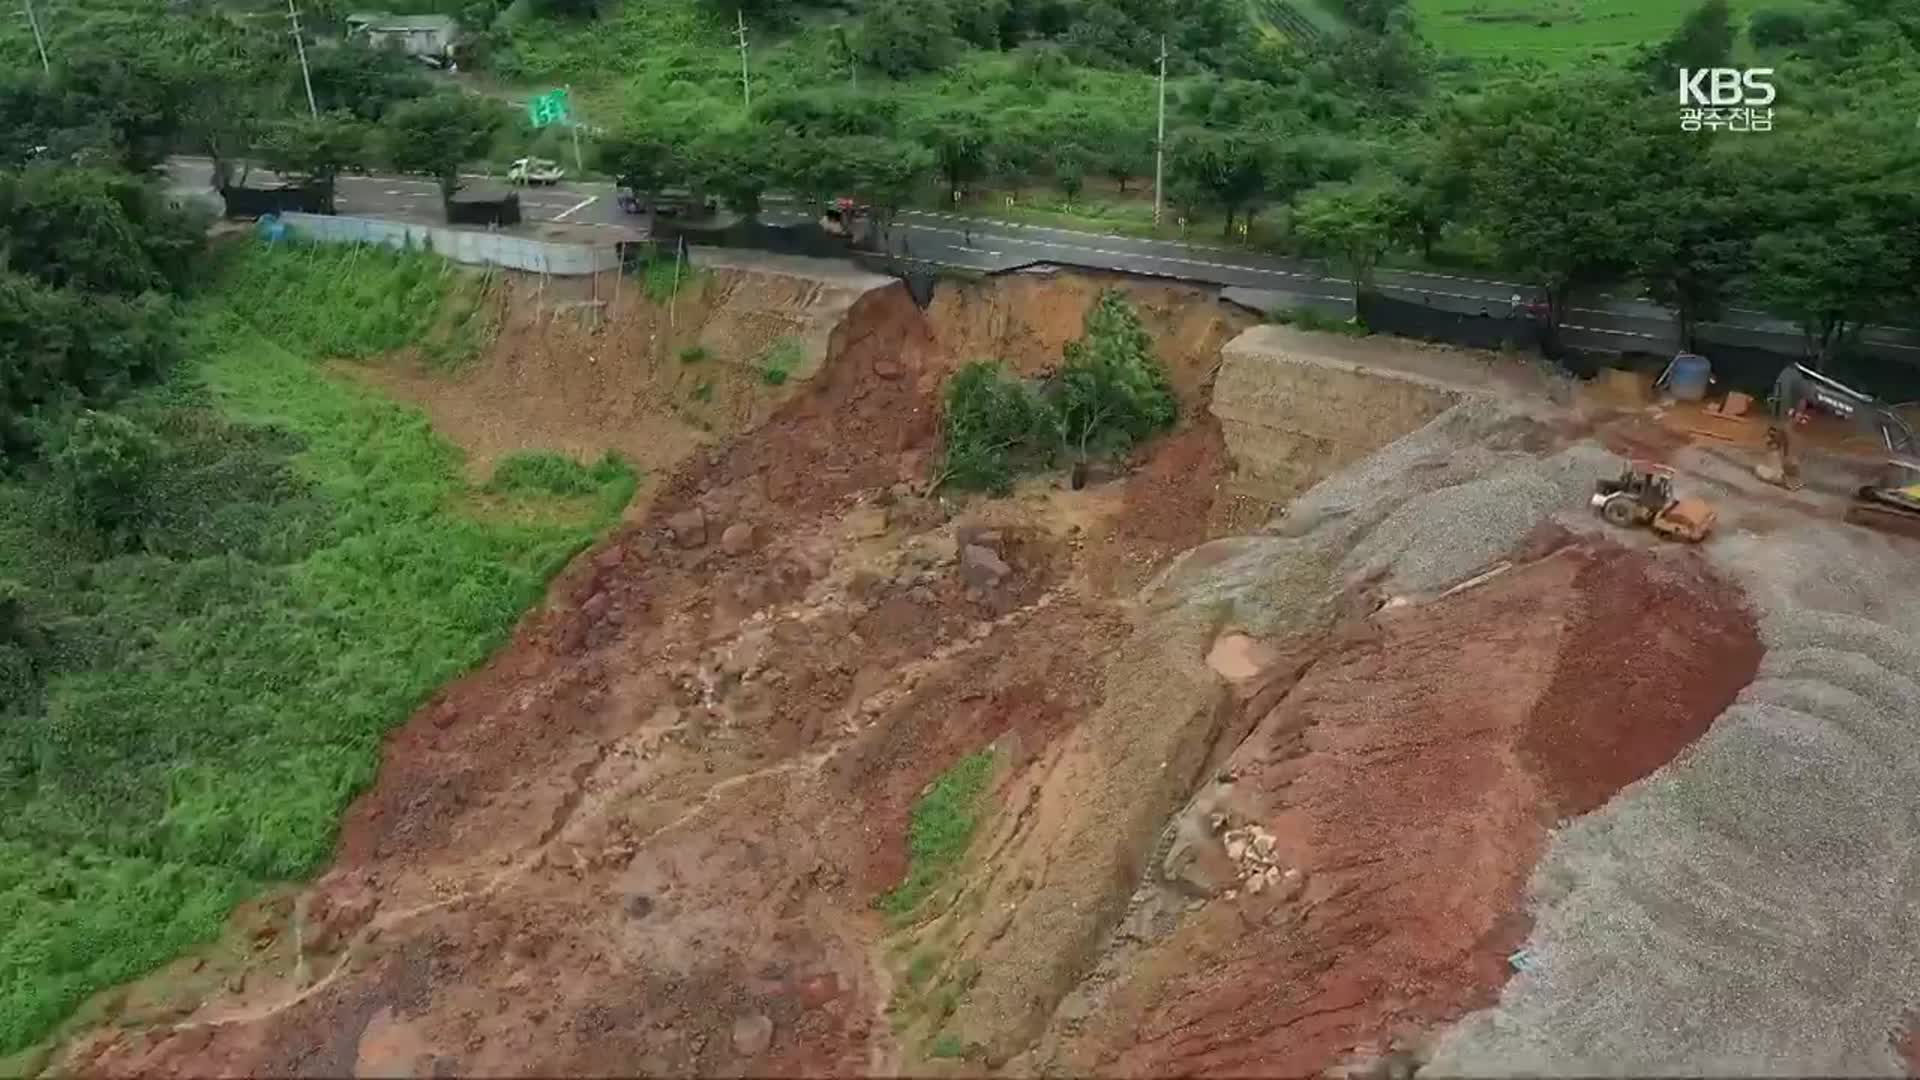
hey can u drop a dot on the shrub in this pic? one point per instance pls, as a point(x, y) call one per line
point(661, 278)
point(938, 832)
point(778, 362)
point(693, 354)
point(995, 426)
point(103, 472)
point(1108, 395)
point(554, 474)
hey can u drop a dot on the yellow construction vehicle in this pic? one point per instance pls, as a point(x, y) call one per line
point(1643, 496)
point(1801, 391)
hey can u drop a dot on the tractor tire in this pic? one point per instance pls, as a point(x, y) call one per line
point(1619, 511)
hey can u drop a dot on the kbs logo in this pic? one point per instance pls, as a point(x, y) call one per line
point(1730, 99)
point(1726, 86)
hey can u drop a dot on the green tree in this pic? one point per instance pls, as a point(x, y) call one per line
point(962, 142)
point(1839, 246)
point(1775, 27)
point(1434, 185)
point(734, 163)
point(1563, 198)
point(94, 230)
point(1698, 242)
point(1229, 170)
point(316, 150)
point(434, 136)
point(1704, 39)
point(1070, 164)
point(1832, 279)
point(135, 93)
point(1355, 223)
point(901, 38)
point(356, 79)
point(1110, 392)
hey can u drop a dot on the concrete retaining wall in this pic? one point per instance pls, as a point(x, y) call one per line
point(1292, 411)
point(460, 245)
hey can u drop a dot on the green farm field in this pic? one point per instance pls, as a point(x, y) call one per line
point(1552, 31)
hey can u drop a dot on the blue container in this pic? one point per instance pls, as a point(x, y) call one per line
point(1688, 376)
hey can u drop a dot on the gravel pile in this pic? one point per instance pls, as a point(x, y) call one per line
point(1452, 534)
point(1754, 908)
point(1427, 511)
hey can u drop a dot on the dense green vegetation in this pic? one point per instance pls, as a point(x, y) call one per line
point(1537, 139)
point(218, 597)
point(223, 575)
point(939, 830)
point(1108, 394)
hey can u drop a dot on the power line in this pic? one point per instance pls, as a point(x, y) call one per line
point(746, 88)
point(300, 46)
point(38, 41)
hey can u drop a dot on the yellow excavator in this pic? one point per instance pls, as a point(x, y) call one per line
point(1801, 391)
point(1892, 502)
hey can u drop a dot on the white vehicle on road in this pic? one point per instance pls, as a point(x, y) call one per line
point(534, 171)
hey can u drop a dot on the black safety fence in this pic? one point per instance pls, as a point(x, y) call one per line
point(1481, 330)
point(484, 210)
point(807, 239)
point(246, 203)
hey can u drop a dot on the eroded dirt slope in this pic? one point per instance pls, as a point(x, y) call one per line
point(1271, 813)
point(647, 835)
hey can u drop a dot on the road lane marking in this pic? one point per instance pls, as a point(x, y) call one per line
point(581, 205)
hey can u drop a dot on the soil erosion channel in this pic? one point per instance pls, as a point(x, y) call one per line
point(648, 836)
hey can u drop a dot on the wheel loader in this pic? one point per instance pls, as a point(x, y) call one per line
point(1643, 496)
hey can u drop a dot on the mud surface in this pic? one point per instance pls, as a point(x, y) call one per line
point(1408, 782)
point(647, 835)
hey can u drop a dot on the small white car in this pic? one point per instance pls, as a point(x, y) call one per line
point(534, 171)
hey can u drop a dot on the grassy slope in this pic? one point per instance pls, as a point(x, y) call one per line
point(220, 701)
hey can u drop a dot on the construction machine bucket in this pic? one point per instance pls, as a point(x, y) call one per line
point(1686, 519)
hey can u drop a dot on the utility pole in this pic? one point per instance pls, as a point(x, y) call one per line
point(573, 125)
point(38, 41)
point(300, 46)
point(740, 31)
point(1160, 139)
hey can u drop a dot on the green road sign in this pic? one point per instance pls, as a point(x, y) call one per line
point(548, 108)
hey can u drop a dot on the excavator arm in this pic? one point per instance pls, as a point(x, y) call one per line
point(1800, 389)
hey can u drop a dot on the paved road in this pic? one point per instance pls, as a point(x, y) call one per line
point(956, 240)
point(407, 198)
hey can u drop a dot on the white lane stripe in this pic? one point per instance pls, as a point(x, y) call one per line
point(582, 204)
